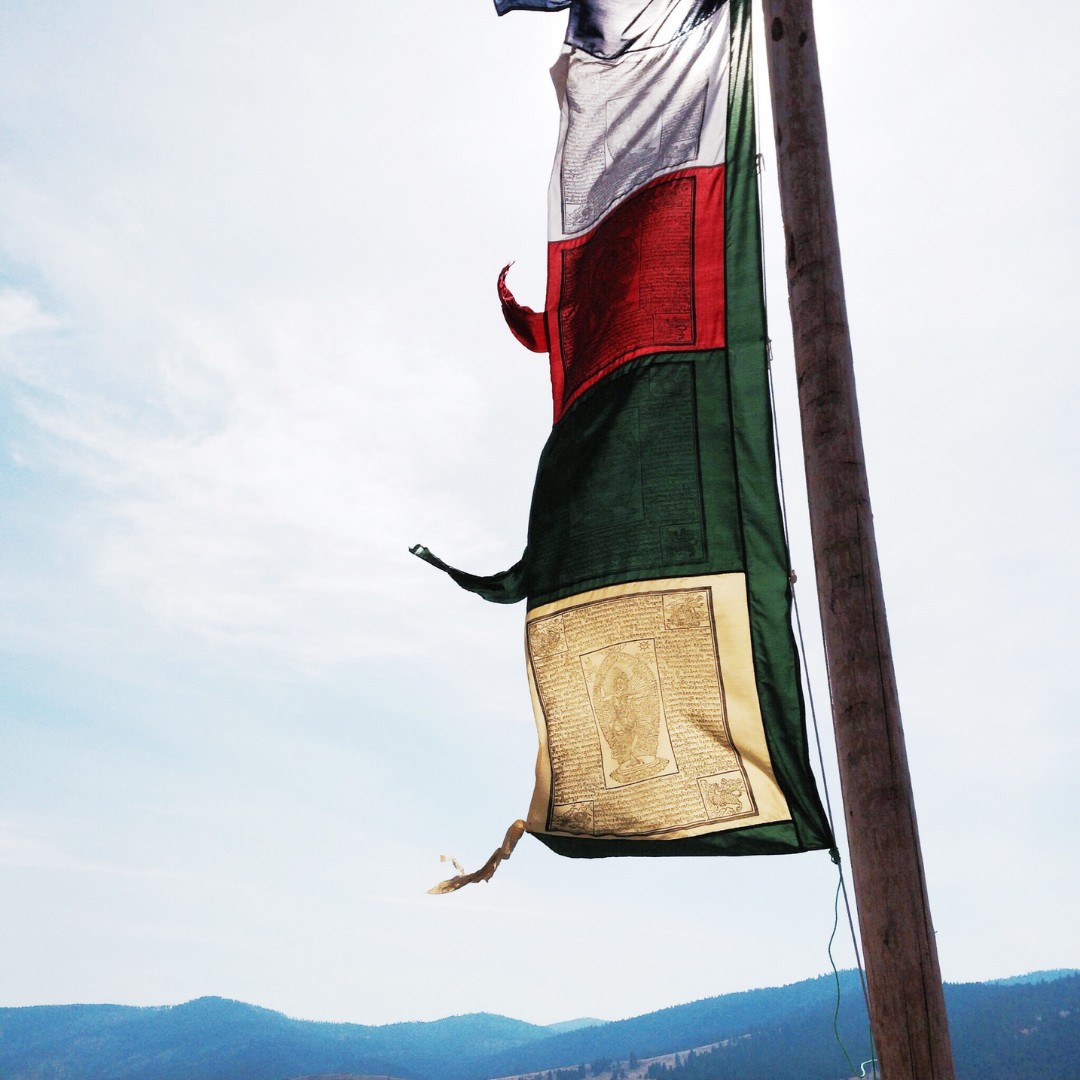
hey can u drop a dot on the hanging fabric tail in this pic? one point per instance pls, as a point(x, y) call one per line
point(505, 587)
point(500, 854)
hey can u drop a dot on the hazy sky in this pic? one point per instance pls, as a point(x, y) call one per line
point(250, 351)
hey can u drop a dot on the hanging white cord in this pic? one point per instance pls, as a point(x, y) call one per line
point(813, 710)
point(760, 159)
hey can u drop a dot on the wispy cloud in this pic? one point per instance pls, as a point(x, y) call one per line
point(200, 228)
point(20, 313)
point(18, 851)
point(267, 497)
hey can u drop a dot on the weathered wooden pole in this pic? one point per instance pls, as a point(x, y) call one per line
point(907, 1005)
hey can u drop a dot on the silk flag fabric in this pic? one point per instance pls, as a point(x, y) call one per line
point(660, 658)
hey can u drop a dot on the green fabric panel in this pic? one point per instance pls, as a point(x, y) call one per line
point(507, 587)
point(767, 561)
point(637, 481)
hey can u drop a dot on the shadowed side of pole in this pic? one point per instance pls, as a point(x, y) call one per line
point(906, 1000)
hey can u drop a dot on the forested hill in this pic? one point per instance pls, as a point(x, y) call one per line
point(216, 1039)
point(1026, 1030)
point(682, 1027)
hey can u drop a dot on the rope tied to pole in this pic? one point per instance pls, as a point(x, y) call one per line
point(834, 852)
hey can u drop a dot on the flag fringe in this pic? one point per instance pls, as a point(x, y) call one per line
point(461, 879)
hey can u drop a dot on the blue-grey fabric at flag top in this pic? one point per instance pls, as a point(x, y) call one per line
point(662, 667)
point(607, 28)
point(503, 6)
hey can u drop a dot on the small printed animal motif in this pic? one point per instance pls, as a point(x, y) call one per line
point(547, 636)
point(724, 798)
point(688, 611)
point(575, 819)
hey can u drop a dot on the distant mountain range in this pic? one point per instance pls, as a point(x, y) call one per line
point(1017, 980)
point(574, 1025)
point(1026, 1028)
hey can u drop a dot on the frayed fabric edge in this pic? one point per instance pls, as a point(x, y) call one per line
point(485, 873)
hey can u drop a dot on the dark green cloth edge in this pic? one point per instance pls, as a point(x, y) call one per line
point(768, 565)
point(776, 838)
point(506, 587)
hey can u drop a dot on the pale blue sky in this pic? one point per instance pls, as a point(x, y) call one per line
point(250, 351)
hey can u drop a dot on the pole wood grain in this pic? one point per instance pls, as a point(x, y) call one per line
point(906, 1000)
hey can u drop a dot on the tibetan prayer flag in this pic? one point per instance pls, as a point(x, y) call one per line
point(663, 671)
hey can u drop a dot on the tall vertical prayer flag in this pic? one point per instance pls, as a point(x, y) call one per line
point(662, 667)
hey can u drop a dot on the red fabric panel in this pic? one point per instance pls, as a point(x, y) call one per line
point(649, 278)
point(528, 326)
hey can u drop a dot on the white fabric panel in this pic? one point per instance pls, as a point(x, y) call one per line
point(628, 120)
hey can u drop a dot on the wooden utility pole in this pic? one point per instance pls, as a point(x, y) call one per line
point(907, 1005)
